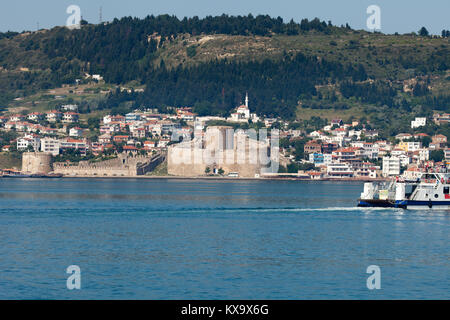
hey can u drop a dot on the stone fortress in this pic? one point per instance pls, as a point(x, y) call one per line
point(220, 147)
point(36, 163)
point(123, 165)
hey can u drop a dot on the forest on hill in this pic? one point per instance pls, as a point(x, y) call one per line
point(209, 64)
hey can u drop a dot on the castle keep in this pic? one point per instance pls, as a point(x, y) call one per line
point(219, 148)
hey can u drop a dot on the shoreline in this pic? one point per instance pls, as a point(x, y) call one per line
point(211, 178)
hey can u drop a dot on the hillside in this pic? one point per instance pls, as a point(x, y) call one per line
point(292, 70)
point(10, 161)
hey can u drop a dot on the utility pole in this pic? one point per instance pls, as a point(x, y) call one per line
point(100, 15)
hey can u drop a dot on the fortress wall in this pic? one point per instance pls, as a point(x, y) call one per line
point(95, 171)
point(121, 166)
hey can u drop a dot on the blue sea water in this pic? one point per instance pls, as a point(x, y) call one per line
point(204, 239)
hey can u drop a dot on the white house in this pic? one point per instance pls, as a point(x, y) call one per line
point(70, 107)
point(339, 170)
point(50, 145)
point(27, 141)
point(70, 117)
point(79, 145)
point(418, 122)
point(16, 118)
point(413, 145)
point(391, 166)
point(397, 152)
point(424, 155)
point(35, 116)
point(53, 116)
point(97, 77)
point(76, 132)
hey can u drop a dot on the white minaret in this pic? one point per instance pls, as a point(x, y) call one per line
point(246, 99)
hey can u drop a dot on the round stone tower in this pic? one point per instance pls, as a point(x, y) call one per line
point(36, 162)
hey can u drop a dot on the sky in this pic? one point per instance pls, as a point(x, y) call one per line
point(402, 16)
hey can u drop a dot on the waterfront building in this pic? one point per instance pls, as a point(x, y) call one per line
point(76, 144)
point(316, 158)
point(367, 170)
point(27, 141)
point(50, 145)
point(391, 166)
point(339, 170)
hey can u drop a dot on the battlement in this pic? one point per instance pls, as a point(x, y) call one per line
point(123, 165)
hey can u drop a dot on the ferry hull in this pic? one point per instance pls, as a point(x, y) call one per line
point(404, 204)
point(415, 204)
point(372, 203)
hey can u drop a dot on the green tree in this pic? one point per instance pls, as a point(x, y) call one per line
point(437, 155)
point(426, 141)
point(424, 32)
point(191, 51)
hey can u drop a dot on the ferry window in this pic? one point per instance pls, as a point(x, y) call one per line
point(436, 195)
point(446, 190)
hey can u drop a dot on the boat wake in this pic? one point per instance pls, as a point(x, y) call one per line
point(280, 210)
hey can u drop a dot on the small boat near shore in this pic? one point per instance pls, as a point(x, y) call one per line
point(47, 176)
point(431, 190)
point(8, 173)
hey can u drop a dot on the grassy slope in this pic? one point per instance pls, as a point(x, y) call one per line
point(8, 161)
point(370, 50)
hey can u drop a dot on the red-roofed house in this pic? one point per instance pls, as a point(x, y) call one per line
point(70, 117)
point(53, 116)
point(131, 149)
point(119, 139)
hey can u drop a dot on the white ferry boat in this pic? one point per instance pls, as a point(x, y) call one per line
point(431, 190)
